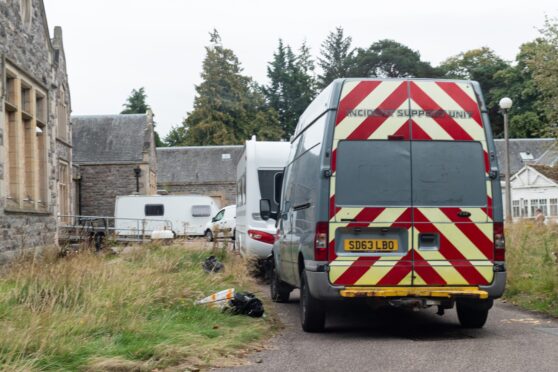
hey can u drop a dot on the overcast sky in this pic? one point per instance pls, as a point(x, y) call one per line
point(113, 46)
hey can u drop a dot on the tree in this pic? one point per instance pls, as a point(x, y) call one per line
point(228, 107)
point(516, 82)
point(335, 57)
point(292, 85)
point(176, 136)
point(136, 103)
point(544, 64)
point(481, 65)
point(388, 58)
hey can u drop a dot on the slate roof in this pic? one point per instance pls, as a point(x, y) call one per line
point(109, 138)
point(547, 171)
point(197, 164)
point(537, 147)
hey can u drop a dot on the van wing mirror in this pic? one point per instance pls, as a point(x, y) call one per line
point(265, 210)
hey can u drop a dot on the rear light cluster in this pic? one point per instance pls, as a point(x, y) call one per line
point(321, 241)
point(261, 236)
point(499, 242)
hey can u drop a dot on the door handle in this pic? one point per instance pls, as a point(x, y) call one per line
point(464, 214)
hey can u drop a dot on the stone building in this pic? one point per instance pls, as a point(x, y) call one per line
point(110, 151)
point(35, 132)
point(204, 170)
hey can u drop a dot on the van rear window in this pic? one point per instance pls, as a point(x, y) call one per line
point(384, 173)
point(448, 173)
point(154, 210)
point(373, 173)
point(201, 211)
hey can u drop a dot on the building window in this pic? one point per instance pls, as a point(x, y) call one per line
point(534, 207)
point(62, 114)
point(26, 143)
point(553, 207)
point(543, 207)
point(524, 208)
point(64, 191)
point(515, 208)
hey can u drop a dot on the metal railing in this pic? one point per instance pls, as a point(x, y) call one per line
point(80, 228)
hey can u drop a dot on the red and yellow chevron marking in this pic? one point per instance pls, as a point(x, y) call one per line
point(466, 244)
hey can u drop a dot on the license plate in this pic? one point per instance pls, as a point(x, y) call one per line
point(371, 245)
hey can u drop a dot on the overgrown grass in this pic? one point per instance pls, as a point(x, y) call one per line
point(134, 311)
point(532, 265)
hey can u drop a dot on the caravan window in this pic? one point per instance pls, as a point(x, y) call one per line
point(201, 211)
point(270, 186)
point(154, 210)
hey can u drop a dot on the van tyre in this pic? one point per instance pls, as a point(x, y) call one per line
point(473, 314)
point(209, 235)
point(312, 312)
point(280, 291)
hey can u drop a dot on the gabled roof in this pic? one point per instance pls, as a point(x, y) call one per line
point(110, 138)
point(197, 164)
point(547, 171)
point(537, 147)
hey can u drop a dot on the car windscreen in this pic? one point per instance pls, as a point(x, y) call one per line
point(384, 173)
point(270, 186)
point(373, 173)
point(448, 173)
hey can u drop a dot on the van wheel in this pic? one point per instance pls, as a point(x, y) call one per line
point(472, 315)
point(312, 313)
point(280, 291)
point(209, 236)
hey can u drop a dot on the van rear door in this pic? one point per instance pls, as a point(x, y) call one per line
point(370, 227)
point(452, 193)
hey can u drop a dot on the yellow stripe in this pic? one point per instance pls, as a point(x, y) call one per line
point(429, 125)
point(443, 100)
point(348, 86)
point(391, 125)
point(447, 227)
point(371, 102)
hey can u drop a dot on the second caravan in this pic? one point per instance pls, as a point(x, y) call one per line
point(259, 176)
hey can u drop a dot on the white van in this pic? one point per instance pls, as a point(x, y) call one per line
point(259, 175)
point(223, 224)
point(188, 214)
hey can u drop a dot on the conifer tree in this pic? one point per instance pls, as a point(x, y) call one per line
point(136, 103)
point(228, 107)
point(336, 57)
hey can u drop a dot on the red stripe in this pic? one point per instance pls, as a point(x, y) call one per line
point(404, 131)
point(446, 122)
point(471, 231)
point(489, 210)
point(450, 252)
point(463, 99)
point(372, 123)
point(357, 269)
point(418, 133)
point(354, 97)
point(399, 271)
point(333, 160)
point(366, 215)
point(332, 208)
point(426, 272)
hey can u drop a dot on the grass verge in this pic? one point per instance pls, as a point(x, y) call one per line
point(532, 265)
point(133, 311)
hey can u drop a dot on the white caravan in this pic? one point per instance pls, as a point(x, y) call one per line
point(187, 214)
point(259, 175)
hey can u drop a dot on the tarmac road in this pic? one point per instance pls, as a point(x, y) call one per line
point(359, 339)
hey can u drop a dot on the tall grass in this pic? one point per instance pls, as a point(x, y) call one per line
point(134, 311)
point(532, 265)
